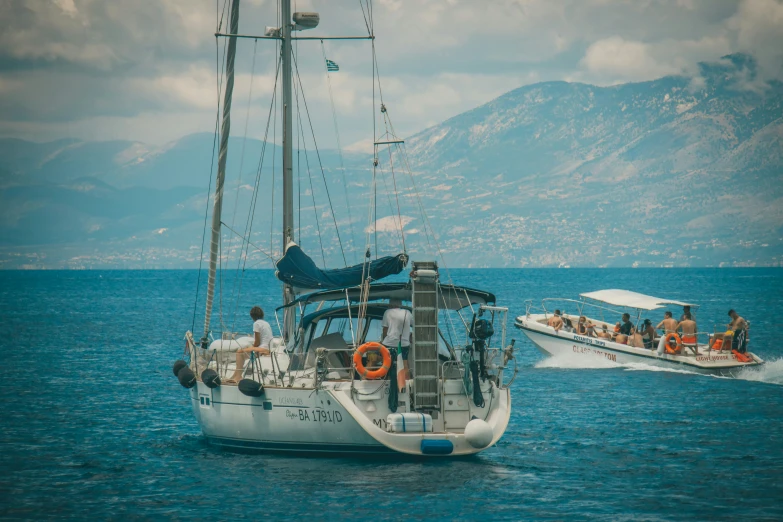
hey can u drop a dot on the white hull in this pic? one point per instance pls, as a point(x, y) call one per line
point(330, 420)
point(570, 344)
point(284, 419)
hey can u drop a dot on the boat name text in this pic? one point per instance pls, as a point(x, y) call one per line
point(291, 401)
point(712, 358)
point(589, 341)
point(316, 415)
point(587, 349)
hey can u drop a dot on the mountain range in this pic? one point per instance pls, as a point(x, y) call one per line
point(679, 171)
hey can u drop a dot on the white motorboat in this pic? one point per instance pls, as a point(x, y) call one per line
point(318, 390)
point(700, 352)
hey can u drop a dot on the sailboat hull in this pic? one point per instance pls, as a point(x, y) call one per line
point(326, 421)
point(283, 420)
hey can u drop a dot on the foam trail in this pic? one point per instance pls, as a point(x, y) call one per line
point(770, 372)
point(644, 367)
point(576, 361)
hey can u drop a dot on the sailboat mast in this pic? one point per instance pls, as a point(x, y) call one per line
point(288, 183)
point(225, 130)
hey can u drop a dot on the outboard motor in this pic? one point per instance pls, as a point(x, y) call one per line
point(210, 378)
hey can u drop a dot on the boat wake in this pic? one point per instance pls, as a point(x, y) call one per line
point(575, 361)
point(771, 372)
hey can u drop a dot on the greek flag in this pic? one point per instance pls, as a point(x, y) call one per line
point(331, 66)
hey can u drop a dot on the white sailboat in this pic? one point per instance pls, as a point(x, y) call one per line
point(308, 394)
point(720, 353)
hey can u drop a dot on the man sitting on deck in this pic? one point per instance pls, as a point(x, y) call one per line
point(688, 327)
point(262, 337)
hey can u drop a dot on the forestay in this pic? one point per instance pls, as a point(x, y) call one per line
point(632, 299)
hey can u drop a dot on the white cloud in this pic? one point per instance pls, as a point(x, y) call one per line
point(759, 28)
point(621, 59)
point(146, 71)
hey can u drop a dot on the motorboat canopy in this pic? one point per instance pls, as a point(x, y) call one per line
point(451, 297)
point(632, 299)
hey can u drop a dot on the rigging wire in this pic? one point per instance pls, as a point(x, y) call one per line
point(366, 23)
point(391, 207)
point(312, 192)
point(396, 194)
point(339, 149)
point(241, 166)
point(401, 150)
point(246, 240)
point(320, 163)
point(300, 138)
point(254, 198)
point(219, 85)
point(298, 161)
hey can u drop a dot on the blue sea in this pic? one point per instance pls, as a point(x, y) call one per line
point(94, 424)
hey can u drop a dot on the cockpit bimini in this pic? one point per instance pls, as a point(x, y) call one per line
point(319, 394)
point(591, 327)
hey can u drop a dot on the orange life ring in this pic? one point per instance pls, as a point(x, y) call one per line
point(669, 337)
point(381, 372)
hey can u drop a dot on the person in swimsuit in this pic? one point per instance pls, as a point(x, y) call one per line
point(669, 325)
point(688, 327)
point(584, 327)
point(739, 327)
point(603, 334)
point(555, 321)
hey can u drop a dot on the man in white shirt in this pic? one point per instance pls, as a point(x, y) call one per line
point(262, 334)
point(397, 329)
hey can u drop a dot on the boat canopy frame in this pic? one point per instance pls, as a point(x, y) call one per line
point(635, 300)
point(452, 297)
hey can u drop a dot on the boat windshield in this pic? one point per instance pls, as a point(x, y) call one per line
point(338, 331)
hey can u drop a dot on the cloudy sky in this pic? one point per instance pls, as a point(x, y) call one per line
point(146, 69)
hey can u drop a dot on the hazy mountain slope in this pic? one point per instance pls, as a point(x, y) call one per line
point(676, 171)
point(652, 173)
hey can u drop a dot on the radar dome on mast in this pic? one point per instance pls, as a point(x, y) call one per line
point(304, 21)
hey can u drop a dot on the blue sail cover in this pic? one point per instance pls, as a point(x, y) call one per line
point(299, 271)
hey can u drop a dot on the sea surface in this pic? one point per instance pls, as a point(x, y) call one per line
point(94, 424)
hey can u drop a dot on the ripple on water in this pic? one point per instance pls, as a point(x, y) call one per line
point(99, 428)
